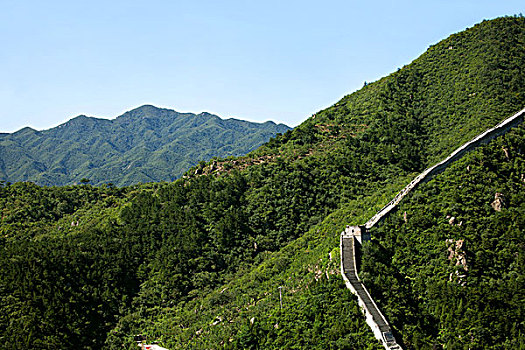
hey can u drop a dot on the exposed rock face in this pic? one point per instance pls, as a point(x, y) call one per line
point(456, 250)
point(499, 201)
point(506, 151)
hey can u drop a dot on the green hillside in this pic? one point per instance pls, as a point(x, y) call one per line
point(198, 263)
point(452, 271)
point(147, 144)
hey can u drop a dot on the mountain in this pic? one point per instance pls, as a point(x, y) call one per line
point(243, 253)
point(451, 257)
point(146, 144)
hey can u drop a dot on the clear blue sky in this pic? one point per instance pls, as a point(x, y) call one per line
point(255, 60)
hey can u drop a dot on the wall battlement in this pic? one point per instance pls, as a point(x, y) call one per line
point(352, 234)
point(429, 173)
point(374, 318)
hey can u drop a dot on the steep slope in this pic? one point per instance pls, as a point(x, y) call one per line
point(413, 267)
point(366, 147)
point(198, 263)
point(144, 145)
point(414, 116)
point(451, 257)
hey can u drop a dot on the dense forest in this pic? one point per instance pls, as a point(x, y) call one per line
point(242, 253)
point(451, 258)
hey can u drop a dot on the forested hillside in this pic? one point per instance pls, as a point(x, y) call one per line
point(197, 263)
point(448, 265)
point(147, 144)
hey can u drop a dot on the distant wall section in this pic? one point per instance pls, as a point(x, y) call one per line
point(429, 173)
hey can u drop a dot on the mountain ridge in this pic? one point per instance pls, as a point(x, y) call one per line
point(367, 156)
point(243, 253)
point(103, 148)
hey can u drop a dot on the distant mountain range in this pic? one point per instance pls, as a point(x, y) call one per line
point(143, 145)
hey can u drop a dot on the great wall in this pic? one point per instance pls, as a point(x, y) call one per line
point(352, 236)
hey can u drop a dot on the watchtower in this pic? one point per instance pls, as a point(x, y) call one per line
point(359, 232)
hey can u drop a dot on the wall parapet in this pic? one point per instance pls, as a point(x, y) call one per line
point(498, 130)
point(374, 318)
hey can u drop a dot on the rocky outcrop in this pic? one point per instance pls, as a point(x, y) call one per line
point(352, 234)
point(499, 201)
point(429, 173)
point(456, 251)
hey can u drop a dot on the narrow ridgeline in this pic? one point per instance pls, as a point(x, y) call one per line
point(374, 318)
point(354, 235)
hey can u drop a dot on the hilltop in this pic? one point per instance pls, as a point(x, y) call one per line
point(198, 263)
point(147, 144)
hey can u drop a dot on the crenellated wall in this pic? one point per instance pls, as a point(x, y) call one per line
point(352, 234)
point(429, 173)
point(373, 317)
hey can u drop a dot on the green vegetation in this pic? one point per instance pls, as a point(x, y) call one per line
point(198, 263)
point(452, 273)
point(147, 144)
